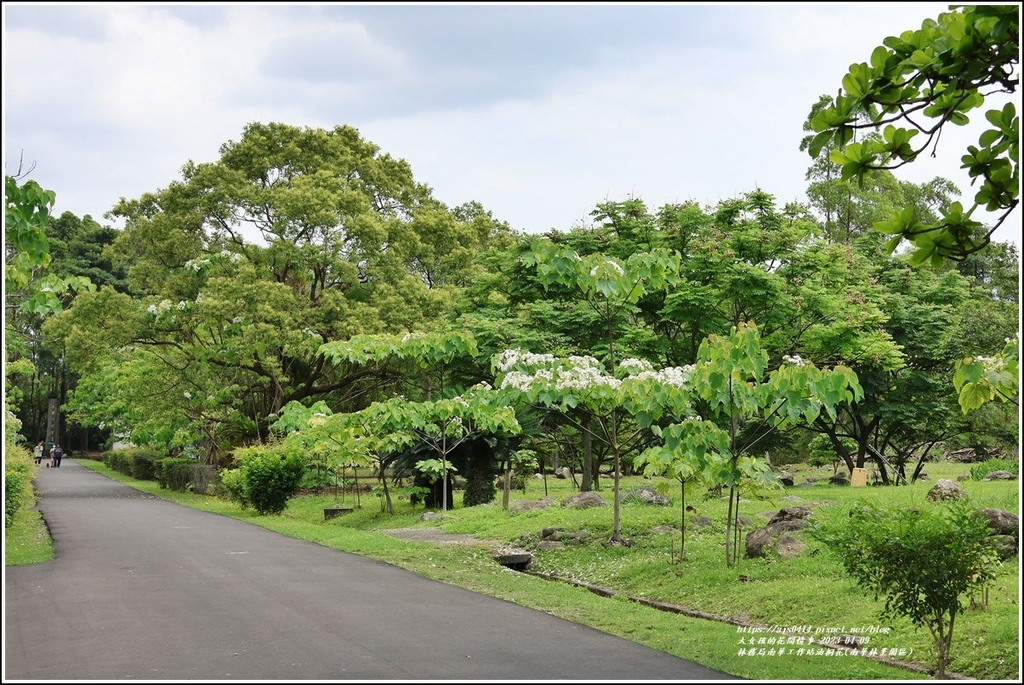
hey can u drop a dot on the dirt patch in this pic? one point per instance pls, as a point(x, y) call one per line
point(431, 535)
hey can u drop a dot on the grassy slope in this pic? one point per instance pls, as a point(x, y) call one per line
point(806, 591)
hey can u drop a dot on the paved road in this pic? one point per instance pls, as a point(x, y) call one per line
point(143, 589)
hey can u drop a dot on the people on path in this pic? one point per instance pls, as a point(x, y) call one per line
point(58, 454)
point(38, 453)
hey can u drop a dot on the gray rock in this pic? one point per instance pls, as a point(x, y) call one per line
point(644, 495)
point(776, 536)
point(1001, 475)
point(788, 546)
point(585, 500)
point(517, 560)
point(945, 490)
point(1005, 527)
point(528, 505)
point(839, 479)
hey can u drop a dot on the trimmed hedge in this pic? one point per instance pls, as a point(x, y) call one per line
point(137, 462)
point(175, 473)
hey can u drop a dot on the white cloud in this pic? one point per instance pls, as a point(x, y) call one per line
point(539, 112)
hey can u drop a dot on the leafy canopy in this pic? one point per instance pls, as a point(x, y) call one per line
point(914, 85)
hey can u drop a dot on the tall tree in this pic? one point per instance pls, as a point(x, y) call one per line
point(241, 270)
point(32, 291)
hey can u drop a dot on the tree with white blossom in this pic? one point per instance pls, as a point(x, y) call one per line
point(567, 383)
point(612, 288)
point(982, 379)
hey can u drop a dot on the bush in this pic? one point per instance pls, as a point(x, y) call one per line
point(137, 462)
point(175, 473)
point(117, 460)
point(269, 476)
point(142, 463)
point(18, 472)
point(233, 483)
point(989, 465)
point(921, 560)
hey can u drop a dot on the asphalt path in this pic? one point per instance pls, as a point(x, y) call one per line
point(144, 589)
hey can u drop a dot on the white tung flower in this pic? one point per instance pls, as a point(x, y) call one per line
point(633, 365)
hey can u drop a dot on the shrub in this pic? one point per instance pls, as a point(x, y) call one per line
point(270, 476)
point(142, 463)
point(137, 462)
point(175, 473)
point(233, 483)
point(117, 460)
point(922, 560)
point(989, 465)
point(18, 472)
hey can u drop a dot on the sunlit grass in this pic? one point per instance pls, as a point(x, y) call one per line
point(27, 541)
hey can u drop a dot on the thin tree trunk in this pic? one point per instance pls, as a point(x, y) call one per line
point(682, 521)
point(588, 456)
point(728, 530)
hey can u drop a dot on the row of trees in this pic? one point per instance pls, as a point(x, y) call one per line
point(209, 353)
point(305, 273)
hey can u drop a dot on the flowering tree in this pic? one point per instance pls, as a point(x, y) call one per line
point(567, 383)
point(443, 424)
point(612, 289)
point(982, 379)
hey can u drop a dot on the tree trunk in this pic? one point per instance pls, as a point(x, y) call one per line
point(588, 456)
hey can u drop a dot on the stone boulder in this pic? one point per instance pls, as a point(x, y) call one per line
point(644, 495)
point(584, 500)
point(515, 559)
point(529, 505)
point(1000, 475)
point(775, 535)
point(945, 490)
point(840, 479)
point(1005, 527)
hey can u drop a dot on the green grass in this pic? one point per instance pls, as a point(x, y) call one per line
point(27, 541)
point(809, 590)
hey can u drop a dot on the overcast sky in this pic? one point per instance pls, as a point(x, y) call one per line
point(537, 111)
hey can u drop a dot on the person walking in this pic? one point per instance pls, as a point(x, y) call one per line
point(38, 453)
point(58, 454)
